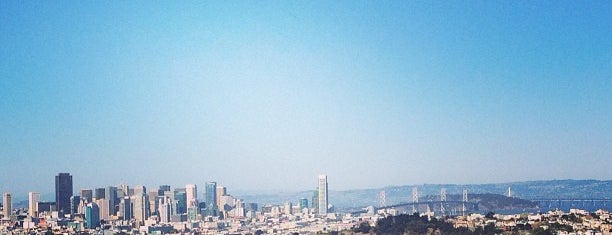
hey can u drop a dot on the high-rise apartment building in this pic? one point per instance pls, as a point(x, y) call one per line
point(45, 207)
point(75, 201)
point(140, 209)
point(33, 199)
point(165, 209)
point(92, 216)
point(163, 189)
point(303, 203)
point(141, 204)
point(192, 201)
point(7, 205)
point(123, 190)
point(315, 200)
point(87, 194)
point(180, 198)
point(153, 203)
point(82, 206)
point(63, 192)
point(191, 191)
point(110, 194)
point(288, 208)
point(211, 199)
point(139, 190)
point(99, 193)
point(103, 208)
point(221, 191)
point(323, 197)
point(125, 208)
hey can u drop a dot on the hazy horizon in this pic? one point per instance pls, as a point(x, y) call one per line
point(266, 95)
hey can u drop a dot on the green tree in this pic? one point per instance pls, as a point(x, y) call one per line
point(541, 231)
point(363, 227)
point(491, 229)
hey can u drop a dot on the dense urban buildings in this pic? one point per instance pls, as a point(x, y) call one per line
point(99, 193)
point(136, 210)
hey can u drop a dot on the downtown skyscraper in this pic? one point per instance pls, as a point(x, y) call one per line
point(87, 194)
point(110, 194)
point(192, 201)
point(211, 198)
point(33, 199)
point(7, 205)
point(192, 195)
point(140, 204)
point(323, 197)
point(63, 192)
point(92, 216)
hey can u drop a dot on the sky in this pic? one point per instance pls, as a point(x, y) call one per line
point(266, 95)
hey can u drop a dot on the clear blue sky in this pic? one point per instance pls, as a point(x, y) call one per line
point(268, 94)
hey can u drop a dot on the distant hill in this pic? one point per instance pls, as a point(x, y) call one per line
point(355, 199)
point(493, 202)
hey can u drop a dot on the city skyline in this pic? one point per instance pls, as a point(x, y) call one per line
point(158, 210)
point(266, 95)
point(91, 191)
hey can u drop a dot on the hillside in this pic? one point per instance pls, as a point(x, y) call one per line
point(492, 202)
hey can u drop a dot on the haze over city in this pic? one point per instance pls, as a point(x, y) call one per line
point(266, 95)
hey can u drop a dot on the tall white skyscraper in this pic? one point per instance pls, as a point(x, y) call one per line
point(323, 199)
point(288, 208)
point(165, 209)
point(103, 208)
point(139, 190)
point(141, 204)
point(125, 208)
point(221, 191)
point(192, 195)
point(7, 203)
point(33, 198)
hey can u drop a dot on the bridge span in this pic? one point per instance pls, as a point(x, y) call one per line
point(441, 207)
point(589, 204)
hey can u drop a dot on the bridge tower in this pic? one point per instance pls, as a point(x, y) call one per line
point(415, 199)
point(442, 201)
point(465, 199)
point(382, 198)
